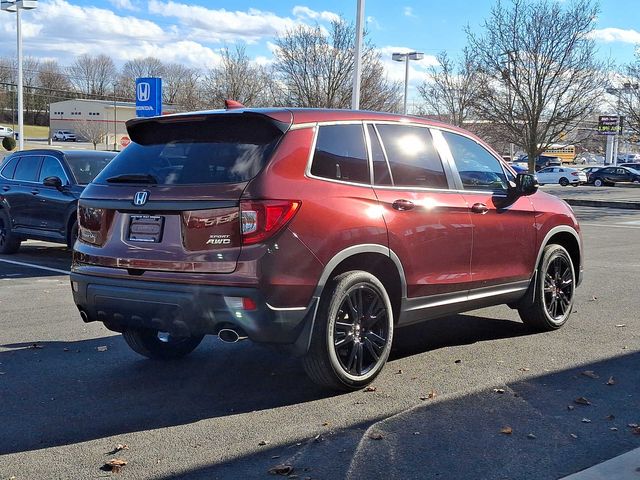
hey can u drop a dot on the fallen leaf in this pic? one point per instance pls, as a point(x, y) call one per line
point(370, 389)
point(621, 325)
point(593, 298)
point(375, 436)
point(498, 390)
point(102, 348)
point(524, 369)
point(586, 420)
point(609, 417)
point(531, 436)
point(613, 429)
point(570, 407)
point(119, 447)
point(65, 349)
point(325, 424)
point(282, 469)
point(590, 374)
point(399, 372)
point(114, 465)
point(458, 361)
point(582, 401)
point(506, 430)
point(416, 433)
point(632, 425)
point(611, 381)
point(262, 443)
point(573, 435)
point(636, 431)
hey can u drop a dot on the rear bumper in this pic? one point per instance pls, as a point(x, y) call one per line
point(182, 309)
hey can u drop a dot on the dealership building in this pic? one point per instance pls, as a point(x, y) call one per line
point(68, 114)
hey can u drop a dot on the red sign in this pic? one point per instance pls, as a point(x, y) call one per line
point(124, 141)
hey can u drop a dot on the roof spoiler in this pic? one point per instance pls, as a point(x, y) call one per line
point(232, 104)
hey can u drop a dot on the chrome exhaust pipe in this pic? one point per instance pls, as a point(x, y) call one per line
point(229, 335)
point(84, 316)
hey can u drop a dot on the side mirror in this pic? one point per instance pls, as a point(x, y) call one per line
point(526, 184)
point(53, 182)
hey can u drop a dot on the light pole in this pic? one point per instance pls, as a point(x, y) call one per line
point(357, 60)
point(626, 87)
point(15, 6)
point(405, 57)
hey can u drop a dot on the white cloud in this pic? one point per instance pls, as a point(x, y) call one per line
point(124, 5)
point(306, 12)
point(220, 25)
point(371, 20)
point(616, 35)
point(408, 12)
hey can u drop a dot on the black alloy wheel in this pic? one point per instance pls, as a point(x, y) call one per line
point(361, 330)
point(558, 288)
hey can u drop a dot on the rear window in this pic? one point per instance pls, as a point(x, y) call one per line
point(86, 167)
point(227, 148)
point(10, 167)
point(341, 154)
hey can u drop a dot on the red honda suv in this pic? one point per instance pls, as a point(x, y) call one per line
point(322, 230)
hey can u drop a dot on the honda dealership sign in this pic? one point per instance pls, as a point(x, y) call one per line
point(148, 97)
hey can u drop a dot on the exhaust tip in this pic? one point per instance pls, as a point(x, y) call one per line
point(84, 316)
point(229, 335)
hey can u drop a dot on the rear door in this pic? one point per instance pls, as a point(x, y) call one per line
point(54, 203)
point(504, 234)
point(170, 200)
point(429, 224)
point(25, 193)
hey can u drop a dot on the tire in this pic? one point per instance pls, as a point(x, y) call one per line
point(9, 243)
point(564, 182)
point(158, 345)
point(555, 288)
point(73, 235)
point(598, 182)
point(346, 352)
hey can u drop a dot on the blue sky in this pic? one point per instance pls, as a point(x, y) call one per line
point(193, 32)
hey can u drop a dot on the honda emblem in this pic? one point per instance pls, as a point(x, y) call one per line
point(140, 198)
point(144, 91)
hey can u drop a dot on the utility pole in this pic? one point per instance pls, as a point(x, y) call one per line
point(357, 60)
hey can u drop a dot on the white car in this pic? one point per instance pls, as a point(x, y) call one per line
point(64, 136)
point(6, 132)
point(562, 175)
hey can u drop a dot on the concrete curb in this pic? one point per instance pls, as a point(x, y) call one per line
point(603, 203)
point(623, 467)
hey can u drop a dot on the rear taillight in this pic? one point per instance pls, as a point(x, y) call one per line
point(261, 219)
point(575, 174)
point(92, 224)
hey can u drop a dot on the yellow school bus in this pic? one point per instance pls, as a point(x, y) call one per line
point(566, 152)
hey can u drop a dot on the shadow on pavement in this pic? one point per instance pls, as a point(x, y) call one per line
point(37, 253)
point(458, 438)
point(58, 393)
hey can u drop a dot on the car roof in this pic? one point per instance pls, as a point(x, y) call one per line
point(66, 153)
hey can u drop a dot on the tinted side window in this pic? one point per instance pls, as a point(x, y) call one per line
point(381, 174)
point(51, 168)
point(341, 154)
point(412, 157)
point(479, 170)
point(27, 169)
point(10, 168)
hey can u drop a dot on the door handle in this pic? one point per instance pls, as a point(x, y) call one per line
point(6, 188)
point(35, 191)
point(479, 208)
point(403, 205)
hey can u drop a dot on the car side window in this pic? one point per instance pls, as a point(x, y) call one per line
point(546, 170)
point(621, 171)
point(381, 173)
point(27, 169)
point(479, 170)
point(413, 159)
point(51, 168)
point(10, 168)
point(341, 154)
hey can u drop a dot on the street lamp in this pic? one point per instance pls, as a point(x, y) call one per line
point(405, 57)
point(14, 6)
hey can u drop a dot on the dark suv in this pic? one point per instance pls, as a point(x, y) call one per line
point(322, 230)
point(39, 191)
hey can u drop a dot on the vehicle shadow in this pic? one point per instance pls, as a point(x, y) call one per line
point(47, 255)
point(59, 393)
point(460, 437)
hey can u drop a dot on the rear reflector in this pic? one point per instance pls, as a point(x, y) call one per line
point(240, 303)
point(261, 219)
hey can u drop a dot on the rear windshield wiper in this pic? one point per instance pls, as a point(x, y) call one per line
point(133, 178)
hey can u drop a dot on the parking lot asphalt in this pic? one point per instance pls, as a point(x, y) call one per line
point(235, 411)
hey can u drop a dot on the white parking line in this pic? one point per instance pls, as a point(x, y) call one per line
point(31, 265)
point(608, 225)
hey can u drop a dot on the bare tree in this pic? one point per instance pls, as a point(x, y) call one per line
point(540, 77)
point(175, 81)
point(92, 131)
point(136, 68)
point(236, 78)
point(93, 75)
point(452, 89)
point(316, 69)
point(629, 95)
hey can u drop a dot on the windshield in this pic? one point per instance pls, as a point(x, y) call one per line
point(194, 151)
point(86, 168)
